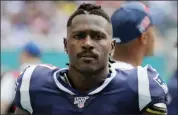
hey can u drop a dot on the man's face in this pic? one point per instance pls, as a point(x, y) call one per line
point(89, 42)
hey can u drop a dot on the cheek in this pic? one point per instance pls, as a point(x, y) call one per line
point(104, 48)
point(72, 48)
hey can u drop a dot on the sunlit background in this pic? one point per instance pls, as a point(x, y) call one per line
point(44, 22)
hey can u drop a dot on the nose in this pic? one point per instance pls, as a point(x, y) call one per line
point(87, 43)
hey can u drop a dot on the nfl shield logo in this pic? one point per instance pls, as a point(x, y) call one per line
point(81, 105)
point(80, 101)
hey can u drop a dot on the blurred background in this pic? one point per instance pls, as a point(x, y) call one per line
point(44, 22)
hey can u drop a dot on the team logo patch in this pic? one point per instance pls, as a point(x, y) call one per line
point(161, 83)
point(80, 101)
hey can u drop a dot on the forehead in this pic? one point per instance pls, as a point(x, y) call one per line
point(90, 22)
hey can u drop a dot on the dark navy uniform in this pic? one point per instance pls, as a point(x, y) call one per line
point(43, 89)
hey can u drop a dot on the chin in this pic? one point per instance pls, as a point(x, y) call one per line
point(87, 69)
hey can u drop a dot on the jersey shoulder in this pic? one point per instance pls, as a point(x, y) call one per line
point(152, 90)
point(157, 83)
point(33, 79)
point(40, 71)
point(37, 75)
point(127, 79)
point(146, 84)
point(142, 77)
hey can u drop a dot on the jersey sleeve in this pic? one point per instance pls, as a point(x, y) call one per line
point(22, 93)
point(153, 94)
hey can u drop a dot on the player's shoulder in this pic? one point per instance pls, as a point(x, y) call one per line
point(144, 82)
point(152, 90)
point(142, 76)
point(40, 73)
point(39, 69)
point(157, 83)
point(34, 78)
point(127, 77)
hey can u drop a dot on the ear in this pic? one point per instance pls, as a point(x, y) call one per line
point(113, 44)
point(65, 45)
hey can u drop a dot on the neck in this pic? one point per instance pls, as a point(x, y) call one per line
point(85, 81)
point(133, 59)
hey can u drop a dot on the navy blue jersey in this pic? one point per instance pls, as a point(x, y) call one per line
point(43, 90)
point(173, 96)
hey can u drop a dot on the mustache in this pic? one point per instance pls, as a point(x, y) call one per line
point(86, 53)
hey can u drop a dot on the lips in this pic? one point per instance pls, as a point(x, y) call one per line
point(87, 56)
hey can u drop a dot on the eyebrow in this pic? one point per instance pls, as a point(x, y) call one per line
point(89, 30)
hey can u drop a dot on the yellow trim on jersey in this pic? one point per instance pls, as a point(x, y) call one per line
point(155, 112)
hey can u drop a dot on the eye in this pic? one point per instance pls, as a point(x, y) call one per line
point(80, 35)
point(97, 36)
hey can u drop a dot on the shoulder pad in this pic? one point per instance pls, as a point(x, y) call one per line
point(31, 77)
point(151, 88)
point(22, 95)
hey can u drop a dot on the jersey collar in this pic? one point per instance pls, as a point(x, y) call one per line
point(97, 90)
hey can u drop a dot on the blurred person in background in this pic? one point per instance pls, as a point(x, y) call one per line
point(30, 55)
point(133, 31)
point(173, 96)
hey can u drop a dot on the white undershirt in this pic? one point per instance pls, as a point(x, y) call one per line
point(122, 65)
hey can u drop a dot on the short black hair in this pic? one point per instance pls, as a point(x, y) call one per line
point(87, 8)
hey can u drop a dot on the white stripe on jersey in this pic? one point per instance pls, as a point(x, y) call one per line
point(24, 89)
point(143, 88)
point(97, 90)
point(60, 86)
point(106, 82)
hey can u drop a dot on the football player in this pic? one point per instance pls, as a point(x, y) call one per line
point(88, 85)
